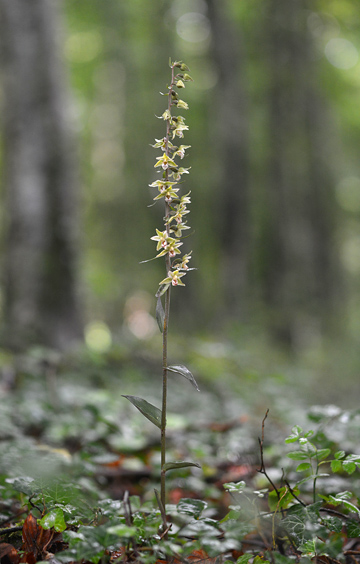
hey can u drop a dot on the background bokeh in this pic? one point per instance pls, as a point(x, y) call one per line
point(275, 176)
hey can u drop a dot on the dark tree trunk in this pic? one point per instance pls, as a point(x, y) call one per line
point(231, 145)
point(41, 300)
point(299, 269)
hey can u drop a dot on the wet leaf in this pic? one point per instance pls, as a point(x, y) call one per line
point(55, 519)
point(192, 507)
point(349, 466)
point(176, 465)
point(23, 484)
point(353, 528)
point(183, 371)
point(122, 531)
point(149, 411)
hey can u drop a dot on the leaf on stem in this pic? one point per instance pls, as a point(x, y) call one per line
point(147, 409)
point(160, 314)
point(162, 290)
point(183, 371)
point(176, 465)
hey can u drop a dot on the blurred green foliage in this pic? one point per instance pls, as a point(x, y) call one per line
point(117, 53)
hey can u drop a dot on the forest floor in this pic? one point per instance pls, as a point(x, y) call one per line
point(79, 464)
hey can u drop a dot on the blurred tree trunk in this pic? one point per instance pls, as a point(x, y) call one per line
point(299, 271)
point(41, 302)
point(231, 146)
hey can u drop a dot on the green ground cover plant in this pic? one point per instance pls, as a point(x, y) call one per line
point(74, 498)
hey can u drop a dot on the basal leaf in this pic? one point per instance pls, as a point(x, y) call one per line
point(147, 409)
point(183, 371)
point(176, 465)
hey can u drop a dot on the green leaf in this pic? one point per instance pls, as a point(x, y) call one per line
point(304, 466)
point(295, 434)
point(151, 412)
point(308, 447)
point(323, 453)
point(192, 507)
point(351, 507)
point(259, 560)
point(339, 454)
point(122, 530)
point(200, 528)
point(353, 528)
point(183, 371)
point(349, 466)
point(309, 547)
point(176, 465)
point(286, 497)
point(55, 519)
point(235, 487)
point(297, 455)
point(160, 314)
point(24, 484)
point(244, 559)
point(163, 288)
point(353, 457)
point(334, 524)
point(336, 465)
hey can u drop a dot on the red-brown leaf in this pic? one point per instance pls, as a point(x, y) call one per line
point(10, 551)
point(35, 539)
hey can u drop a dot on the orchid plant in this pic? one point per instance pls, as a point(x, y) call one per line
point(168, 243)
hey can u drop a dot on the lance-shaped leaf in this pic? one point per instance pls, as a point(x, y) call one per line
point(160, 314)
point(147, 409)
point(176, 465)
point(161, 291)
point(161, 507)
point(183, 371)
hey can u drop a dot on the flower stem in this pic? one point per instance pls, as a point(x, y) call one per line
point(164, 394)
point(166, 321)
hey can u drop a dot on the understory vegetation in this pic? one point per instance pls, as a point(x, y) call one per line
point(78, 468)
